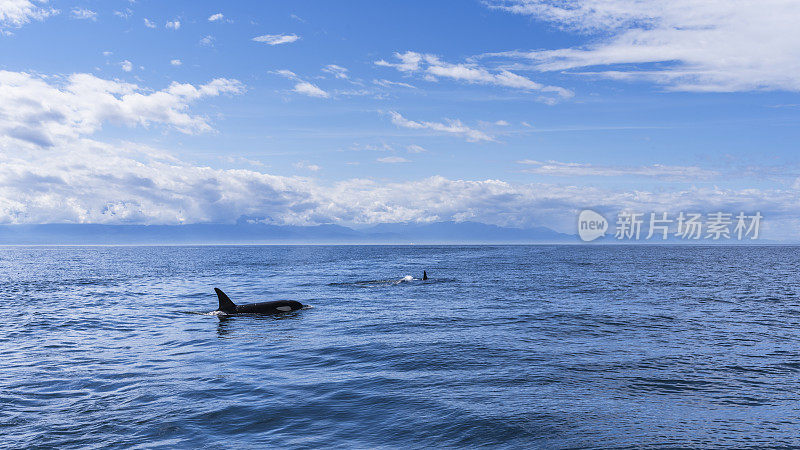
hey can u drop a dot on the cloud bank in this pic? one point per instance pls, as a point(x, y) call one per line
point(86, 181)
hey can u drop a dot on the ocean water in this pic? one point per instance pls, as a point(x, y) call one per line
point(512, 346)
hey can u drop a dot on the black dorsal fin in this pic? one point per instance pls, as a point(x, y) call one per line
point(424, 275)
point(225, 303)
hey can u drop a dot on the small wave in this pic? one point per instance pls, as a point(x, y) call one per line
point(197, 313)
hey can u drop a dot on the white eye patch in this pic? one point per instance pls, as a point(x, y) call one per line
point(284, 308)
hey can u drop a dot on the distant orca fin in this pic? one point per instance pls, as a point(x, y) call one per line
point(225, 303)
point(424, 275)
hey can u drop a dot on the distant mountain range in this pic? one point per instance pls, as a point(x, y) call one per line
point(254, 233)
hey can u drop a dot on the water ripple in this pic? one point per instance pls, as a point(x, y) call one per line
point(513, 346)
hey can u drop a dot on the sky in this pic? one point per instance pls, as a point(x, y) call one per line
point(509, 112)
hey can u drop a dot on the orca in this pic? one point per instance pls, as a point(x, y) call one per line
point(424, 275)
point(275, 307)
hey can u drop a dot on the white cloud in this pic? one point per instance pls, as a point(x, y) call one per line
point(207, 41)
point(453, 126)
point(306, 166)
point(387, 83)
point(301, 86)
point(16, 13)
point(306, 88)
point(44, 111)
point(414, 148)
point(148, 23)
point(277, 39)
point(433, 68)
point(53, 170)
point(337, 71)
point(392, 160)
point(173, 25)
point(287, 73)
point(382, 147)
point(126, 65)
point(107, 53)
point(557, 168)
point(126, 14)
point(356, 93)
point(176, 62)
point(502, 123)
point(86, 181)
point(218, 17)
point(83, 14)
point(685, 45)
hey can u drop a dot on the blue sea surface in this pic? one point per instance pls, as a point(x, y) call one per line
point(507, 346)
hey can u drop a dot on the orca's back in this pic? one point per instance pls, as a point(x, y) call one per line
point(273, 307)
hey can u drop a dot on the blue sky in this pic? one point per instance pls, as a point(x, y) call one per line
point(509, 112)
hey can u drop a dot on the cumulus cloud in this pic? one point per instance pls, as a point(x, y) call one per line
point(433, 68)
point(80, 180)
point(43, 111)
point(16, 13)
point(276, 39)
point(218, 17)
point(414, 148)
point(176, 62)
point(173, 25)
point(83, 14)
point(453, 126)
point(93, 182)
point(53, 170)
point(126, 66)
point(85, 181)
point(557, 168)
point(148, 23)
point(718, 46)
